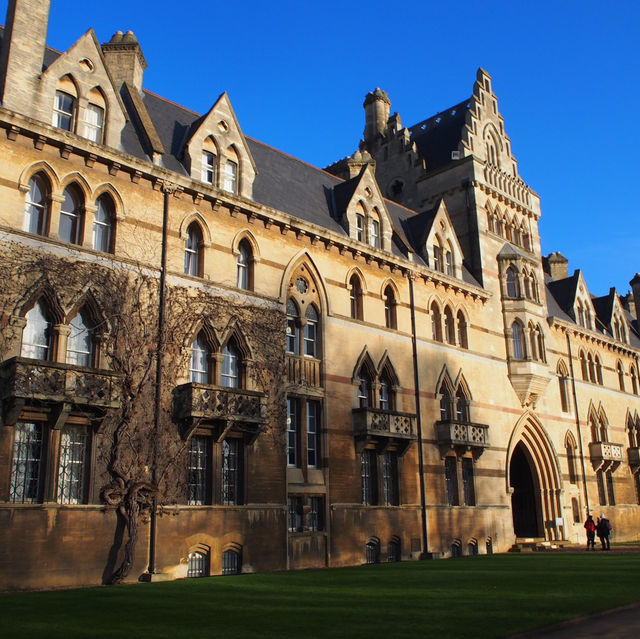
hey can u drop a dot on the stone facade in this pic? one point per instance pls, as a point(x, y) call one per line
point(310, 368)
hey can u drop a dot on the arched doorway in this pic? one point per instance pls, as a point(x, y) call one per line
point(525, 503)
point(534, 481)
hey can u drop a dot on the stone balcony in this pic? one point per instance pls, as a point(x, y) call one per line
point(303, 371)
point(383, 428)
point(463, 435)
point(33, 382)
point(634, 456)
point(221, 409)
point(605, 455)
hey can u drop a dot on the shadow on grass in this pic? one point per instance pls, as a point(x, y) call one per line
point(467, 598)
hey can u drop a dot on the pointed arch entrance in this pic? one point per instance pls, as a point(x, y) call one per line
point(533, 479)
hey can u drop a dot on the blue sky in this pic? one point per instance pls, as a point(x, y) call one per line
point(567, 76)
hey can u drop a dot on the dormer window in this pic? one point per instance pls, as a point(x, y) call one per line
point(374, 234)
point(64, 107)
point(437, 257)
point(208, 167)
point(448, 262)
point(93, 123)
point(230, 176)
point(359, 227)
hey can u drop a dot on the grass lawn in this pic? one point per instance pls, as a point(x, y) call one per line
point(468, 597)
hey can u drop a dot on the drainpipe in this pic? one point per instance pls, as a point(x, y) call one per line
point(153, 530)
point(416, 384)
point(575, 405)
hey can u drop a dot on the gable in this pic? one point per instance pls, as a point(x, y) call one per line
point(441, 247)
point(215, 144)
point(81, 72)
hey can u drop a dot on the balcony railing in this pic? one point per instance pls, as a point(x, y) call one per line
point(303, 371)
point(466, 434)
point(384, 427)
point(605, 452)
point(205, 404)
point(25, 380)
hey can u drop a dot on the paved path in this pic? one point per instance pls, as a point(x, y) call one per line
point(621, 623)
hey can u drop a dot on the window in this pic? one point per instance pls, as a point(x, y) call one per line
point(355, 297)
point(571, 461)
point(103, 224)
point(365, 389)
point(93, 123)
point(374, 234)
point(26, 465)
point(513, 290)
point(583, 366)
point(592, 370)
point(64, 106)
point(462, 406)
point(305, 513)
point(372, 552)
point(293, 328)
point(230, 562)
point(445, 403)
point(36, 336)
point(198, 467)
point(390, 319)
point(208, 167)
point(598, 366)
point(310, 333)
point(200, 358)
point(634, 379)
point(230, 176)
point(394, 550)
point(448, 262)
point(451, 480)
point(386, 392)
point(313, 434)
point(359, 227)
point(193, 251)
point(468, 484)
point(516, 341)
point(243, 276)
point(390, 478)
point(230, 377)
point(198, 565)
point(563, 384)
point(36, 210)
point(231, 481)
point(70, 229)
point(462, 331)
point(80, 342)
point(303, 444)
point(449, 326)
point(72, 465)
point(437, 257)
point(436, 323)
point(369, 477)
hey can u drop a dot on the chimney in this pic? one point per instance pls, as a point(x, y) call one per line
point(556, 265)
point(22, 55)
point(124, 59)
point(376, 114)
point(635, 287)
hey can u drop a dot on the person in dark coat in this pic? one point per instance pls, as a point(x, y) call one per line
point(603, 530)
point(590, 527)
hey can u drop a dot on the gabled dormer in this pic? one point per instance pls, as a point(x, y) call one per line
point(77, 94)
point(436, 240)
point(217, 152)
point(360, 207)
point(611, 315)
point(583, 310)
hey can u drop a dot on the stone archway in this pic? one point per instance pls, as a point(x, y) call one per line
point(533, 479)
point(525, 503)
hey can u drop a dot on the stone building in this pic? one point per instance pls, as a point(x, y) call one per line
point(284, 367)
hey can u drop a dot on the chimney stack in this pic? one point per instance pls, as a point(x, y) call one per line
point(635, 288)
point(124, 59)
point(376, 115)
point(556, 265)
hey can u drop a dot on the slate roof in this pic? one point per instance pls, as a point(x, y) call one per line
point(440, 134)
point(564, 293)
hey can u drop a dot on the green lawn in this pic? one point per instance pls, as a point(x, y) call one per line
point(468, 597)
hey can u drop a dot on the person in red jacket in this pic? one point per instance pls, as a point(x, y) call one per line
point(590, 527)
